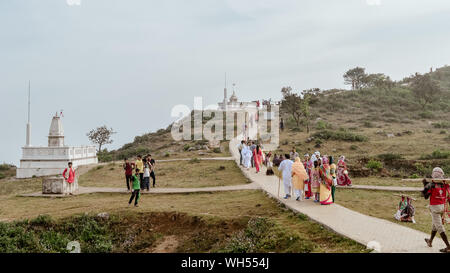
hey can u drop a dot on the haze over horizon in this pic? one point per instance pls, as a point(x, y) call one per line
point(125, 64)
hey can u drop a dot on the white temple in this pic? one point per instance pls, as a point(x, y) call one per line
point(52, 160)
point(233, 104)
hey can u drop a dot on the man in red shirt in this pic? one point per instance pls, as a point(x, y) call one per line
point(128, 167)
point(438, 193)
point(70, 178)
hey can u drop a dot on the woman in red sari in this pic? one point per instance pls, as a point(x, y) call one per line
point(308, 166)
point(257, 155)
point(342, 173)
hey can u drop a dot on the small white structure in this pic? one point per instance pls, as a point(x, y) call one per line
point(52, 160)
point(233, 104)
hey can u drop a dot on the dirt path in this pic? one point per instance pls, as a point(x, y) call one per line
point(169, 244)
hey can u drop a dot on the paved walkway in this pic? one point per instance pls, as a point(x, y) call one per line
point(88, 190)
point(382, 188)
point(354, 225)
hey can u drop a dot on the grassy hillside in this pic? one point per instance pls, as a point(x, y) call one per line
point(162, 145)
point(380, 126)
point(442, 75)
point(387, 128)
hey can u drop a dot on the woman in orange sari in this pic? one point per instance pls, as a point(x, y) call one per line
point(299, 176)
point(327, 181)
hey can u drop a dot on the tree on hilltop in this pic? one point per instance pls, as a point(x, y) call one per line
point(355, 77)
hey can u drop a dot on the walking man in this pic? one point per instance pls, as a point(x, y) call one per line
point(286, 171)
point(438, 192)
point(128, 167)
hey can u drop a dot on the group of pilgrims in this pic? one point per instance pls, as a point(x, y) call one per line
point(315, 177)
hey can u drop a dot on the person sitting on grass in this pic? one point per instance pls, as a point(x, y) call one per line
point(438, 192)
point(136, 193)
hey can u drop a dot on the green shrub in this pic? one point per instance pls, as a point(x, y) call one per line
point(339, 135)
point(186, 147)
point(217, 150)
point(368, 124)
point(194, 160)
point(437, 154)
point(354, 147)
point(426, 115)
point(321, 125)
point(4, 167)
point(374, 165)
point(390, 157)
point(105, 156)
point(442, 125)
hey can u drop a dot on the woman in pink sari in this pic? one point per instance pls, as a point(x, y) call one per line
point(342, 173)
point(257, 155)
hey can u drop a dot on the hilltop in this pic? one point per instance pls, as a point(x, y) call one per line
point(384, 125)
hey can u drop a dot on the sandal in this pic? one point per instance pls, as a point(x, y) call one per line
point(445, 250)
point(428, 242)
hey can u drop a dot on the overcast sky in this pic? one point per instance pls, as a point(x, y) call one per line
point(126, 63)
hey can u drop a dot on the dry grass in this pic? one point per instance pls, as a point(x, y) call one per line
point(382, 204)
point(177, 174)
point(14, 186)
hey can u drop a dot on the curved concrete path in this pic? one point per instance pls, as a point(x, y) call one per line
point(88, 190)
point(382, 188)
point(354, 225)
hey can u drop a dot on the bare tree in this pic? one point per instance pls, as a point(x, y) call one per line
point(101, 136)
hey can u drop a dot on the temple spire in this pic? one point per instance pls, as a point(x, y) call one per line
point(225, 94)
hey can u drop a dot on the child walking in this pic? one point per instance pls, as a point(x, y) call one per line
point(136, 189)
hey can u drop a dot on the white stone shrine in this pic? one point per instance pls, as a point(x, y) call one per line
point(52, 160)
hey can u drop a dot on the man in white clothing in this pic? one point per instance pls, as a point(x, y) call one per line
point(286, 171)
point(246, 156)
